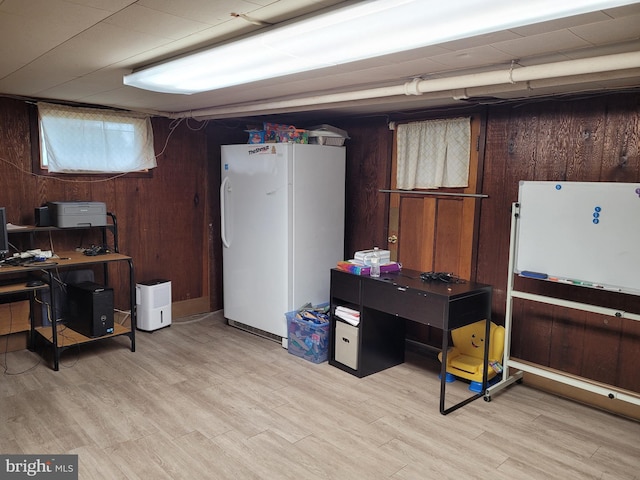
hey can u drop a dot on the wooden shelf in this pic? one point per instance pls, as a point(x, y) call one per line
point(68, 337)
point(16, 282)
point(19, 287)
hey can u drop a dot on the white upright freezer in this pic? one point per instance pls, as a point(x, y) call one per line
point(282, 224)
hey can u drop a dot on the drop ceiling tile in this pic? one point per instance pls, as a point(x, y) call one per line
point(207, 11)
point(478, 40)
point(86, 85)
point(283, 10)
point(473, 57)
point(55, 13)
point(103, 45)
point(560, 24)
point(398, 72)
point(108, 5)
point(128, 98)
point(560, 40)
point(632, 9)
point(416, 54)
point(25, 37)
point(615, 30)
point(174, 48)
point(146, 20)
point(609, 49)
point(542, 59)
point(25, 83)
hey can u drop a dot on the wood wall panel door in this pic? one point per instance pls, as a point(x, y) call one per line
point(436, 233)
point(416, 228)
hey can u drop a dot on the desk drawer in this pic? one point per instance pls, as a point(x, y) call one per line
point(410, 303)
point(345, 286)
point(346, 342)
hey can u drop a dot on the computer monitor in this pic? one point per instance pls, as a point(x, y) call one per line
point(4, 237)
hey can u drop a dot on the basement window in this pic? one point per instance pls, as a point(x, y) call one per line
point(87, 140)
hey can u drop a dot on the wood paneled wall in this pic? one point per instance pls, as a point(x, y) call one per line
point(161, 218)
point(369, 152)
point(580, 139)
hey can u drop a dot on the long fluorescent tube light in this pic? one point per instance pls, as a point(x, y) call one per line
point(360, 31)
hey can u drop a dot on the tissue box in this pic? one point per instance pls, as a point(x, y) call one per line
point(308, 339)
point(364, 256)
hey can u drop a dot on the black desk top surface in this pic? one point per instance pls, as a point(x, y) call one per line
point(411, 279)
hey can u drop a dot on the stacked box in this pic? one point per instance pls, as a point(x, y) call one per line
point(308, 336)
point(255, 136)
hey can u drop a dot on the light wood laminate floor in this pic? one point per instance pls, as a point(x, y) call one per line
point(202, 400)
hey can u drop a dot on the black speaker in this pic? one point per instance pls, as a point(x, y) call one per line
point(90, 309)
point(43, 219)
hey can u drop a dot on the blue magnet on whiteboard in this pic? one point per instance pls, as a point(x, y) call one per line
point(558, 186)
point(598, 209)
point(596, 221)
point(596, 214)
point(638, 191)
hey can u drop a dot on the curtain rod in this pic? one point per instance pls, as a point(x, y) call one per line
point(445, 194)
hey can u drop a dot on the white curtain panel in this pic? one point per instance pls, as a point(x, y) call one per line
point(87, 140)
point(433, 154)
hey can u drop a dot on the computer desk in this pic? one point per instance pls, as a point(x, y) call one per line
point(386, 302)
point(59, 336)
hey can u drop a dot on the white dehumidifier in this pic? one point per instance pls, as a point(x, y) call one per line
point(153, 303)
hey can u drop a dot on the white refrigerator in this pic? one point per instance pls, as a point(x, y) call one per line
point(282, 225)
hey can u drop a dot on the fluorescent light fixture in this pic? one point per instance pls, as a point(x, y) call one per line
point(360, 31)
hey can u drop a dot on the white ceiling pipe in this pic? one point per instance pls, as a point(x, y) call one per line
point(583, 66)
point(621, 61)
point(244, 108)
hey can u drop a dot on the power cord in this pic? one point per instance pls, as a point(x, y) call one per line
point(443, 277)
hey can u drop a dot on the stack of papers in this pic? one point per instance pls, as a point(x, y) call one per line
point(348, 315)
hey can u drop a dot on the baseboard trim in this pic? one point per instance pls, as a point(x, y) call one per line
point(193, 306)
point(585, 397)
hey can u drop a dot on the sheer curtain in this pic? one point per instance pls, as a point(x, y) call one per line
point(433, 153)
point(87, 140)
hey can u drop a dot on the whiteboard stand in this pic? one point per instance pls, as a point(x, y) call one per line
point(520, 367)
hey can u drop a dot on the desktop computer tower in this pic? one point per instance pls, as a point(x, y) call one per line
point(90, 309)
point(153, 304)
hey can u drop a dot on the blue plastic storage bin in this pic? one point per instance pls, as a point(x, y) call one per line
point(307, 339)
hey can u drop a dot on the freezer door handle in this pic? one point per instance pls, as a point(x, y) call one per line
point(223, 231)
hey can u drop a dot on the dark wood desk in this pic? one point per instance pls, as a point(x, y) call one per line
point(384, 303)
point(59, 336)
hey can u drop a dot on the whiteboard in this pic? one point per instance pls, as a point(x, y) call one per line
point(582, 233)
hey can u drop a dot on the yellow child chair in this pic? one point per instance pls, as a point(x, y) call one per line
point(465, 358)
